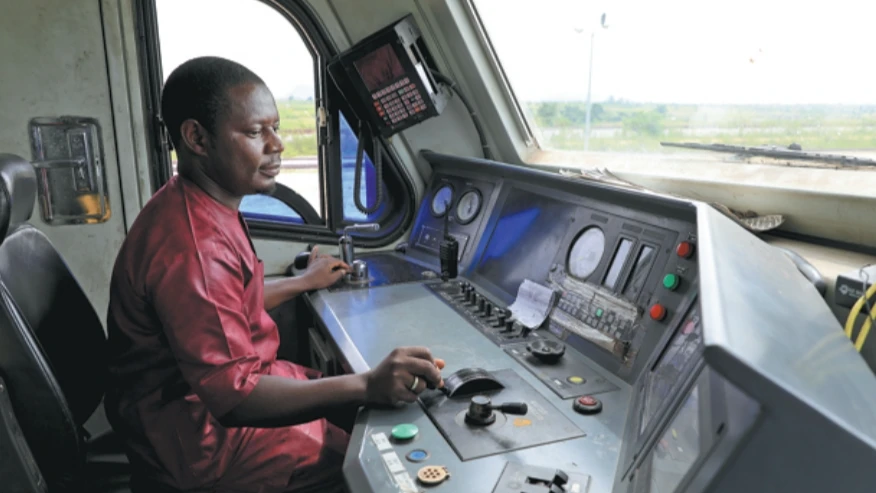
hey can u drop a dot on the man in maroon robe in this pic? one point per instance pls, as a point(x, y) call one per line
point(197, 391)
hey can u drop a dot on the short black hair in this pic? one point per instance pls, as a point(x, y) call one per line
point(198, 89)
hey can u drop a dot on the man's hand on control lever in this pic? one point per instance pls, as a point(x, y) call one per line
point(402, 376)
point(323, 270)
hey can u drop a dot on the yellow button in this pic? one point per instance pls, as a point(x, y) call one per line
point(576, 380)
point(522, 422)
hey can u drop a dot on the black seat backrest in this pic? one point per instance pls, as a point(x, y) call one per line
point(52, 343)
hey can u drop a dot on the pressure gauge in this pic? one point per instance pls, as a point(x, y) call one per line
point(586, 252)
point(443, 197)
point(468, 207)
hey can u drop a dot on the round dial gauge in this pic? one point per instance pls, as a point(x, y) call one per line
point(586, 252)
point(469, 206)
point(443, 197)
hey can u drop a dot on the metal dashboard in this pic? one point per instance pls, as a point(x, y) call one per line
point(658, 354)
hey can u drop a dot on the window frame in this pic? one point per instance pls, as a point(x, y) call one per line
point(327, 102)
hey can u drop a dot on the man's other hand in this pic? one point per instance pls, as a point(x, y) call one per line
point(323, 270)
point(402, 376)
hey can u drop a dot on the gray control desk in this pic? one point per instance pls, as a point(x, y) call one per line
point(367, 324)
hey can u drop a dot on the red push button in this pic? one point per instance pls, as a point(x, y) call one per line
point(658, 311)
point(587, 404)
point(587, 400)
point(685, 249)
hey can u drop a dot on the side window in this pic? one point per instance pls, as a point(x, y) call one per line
point(316, 189)
point(368, 178)
point(286, 66)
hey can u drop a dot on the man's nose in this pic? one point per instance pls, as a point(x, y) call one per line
point(275, 143)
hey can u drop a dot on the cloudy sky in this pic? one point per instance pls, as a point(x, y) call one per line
point(672, 51)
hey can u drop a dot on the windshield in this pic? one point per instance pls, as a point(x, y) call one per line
point(750, 72)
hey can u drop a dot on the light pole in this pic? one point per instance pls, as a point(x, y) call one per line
point(589, 85)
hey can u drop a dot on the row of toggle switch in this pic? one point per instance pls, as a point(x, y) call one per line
point(485, 309)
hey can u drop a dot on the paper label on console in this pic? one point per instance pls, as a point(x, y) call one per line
point(381, 441)
point(533, 304)
point(393, 463)
point(406, 483)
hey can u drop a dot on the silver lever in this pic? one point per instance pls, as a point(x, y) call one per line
point(345, 244)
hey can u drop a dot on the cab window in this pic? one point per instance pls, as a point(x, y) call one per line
point(637, 76)
point(268, 42)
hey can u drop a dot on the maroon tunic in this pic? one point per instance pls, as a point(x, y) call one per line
point(189, 339)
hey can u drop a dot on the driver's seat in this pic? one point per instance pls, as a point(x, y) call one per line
point(52, 343)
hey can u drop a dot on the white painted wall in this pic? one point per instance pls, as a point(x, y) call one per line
point(53, 62)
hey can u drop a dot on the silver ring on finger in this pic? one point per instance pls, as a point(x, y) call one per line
point(414, 385)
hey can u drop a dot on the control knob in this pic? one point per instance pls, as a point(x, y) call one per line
point(547, 351)
point(481, 410)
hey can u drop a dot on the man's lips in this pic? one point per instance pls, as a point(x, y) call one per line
point(272, 170)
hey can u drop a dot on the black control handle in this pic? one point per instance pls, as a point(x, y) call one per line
point(301, 260)
point(512, 408)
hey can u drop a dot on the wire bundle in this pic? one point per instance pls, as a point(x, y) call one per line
point(869, 291)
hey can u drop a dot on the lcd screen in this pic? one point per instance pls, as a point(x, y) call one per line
point(379, 68)
point(617, 263)
point(684, 345)
point(639, 275)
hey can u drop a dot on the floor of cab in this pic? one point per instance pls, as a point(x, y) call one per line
point(107, 467)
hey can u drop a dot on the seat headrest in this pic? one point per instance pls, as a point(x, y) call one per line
point(19, 180)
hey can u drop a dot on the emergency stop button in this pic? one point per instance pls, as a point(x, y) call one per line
point(658, 312)
point(685, 249)
point(587, 404)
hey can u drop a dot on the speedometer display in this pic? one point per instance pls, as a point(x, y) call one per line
point(586, 252)
point(442, 200)
point(469, 206)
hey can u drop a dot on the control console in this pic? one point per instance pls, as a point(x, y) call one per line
point(566, 374)
point(486, 413)
point(657, 366)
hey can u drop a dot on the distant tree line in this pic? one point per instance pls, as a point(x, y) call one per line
point(634, 119)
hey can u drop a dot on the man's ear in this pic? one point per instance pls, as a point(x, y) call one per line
point(195, 137)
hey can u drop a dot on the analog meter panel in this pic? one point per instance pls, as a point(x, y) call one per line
point(453, 205)
point(442, 200)
point(586, 252)
point(469, 206)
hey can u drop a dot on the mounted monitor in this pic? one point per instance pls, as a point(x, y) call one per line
point(386, 78)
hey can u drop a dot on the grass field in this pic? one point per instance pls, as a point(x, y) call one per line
point(298, 127)
point(641, 127)
point(619, 126)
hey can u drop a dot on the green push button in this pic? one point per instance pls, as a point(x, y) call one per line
point(670, 281)
point(599, 312)
point(404, 431)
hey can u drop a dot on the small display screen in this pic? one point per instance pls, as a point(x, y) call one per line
point(678, 448)
point(637, 279)
point(684, 345)
point(617, 263)
point(380, 67)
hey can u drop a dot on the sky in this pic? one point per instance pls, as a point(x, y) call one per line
point(245, 31)
point(670, 51)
